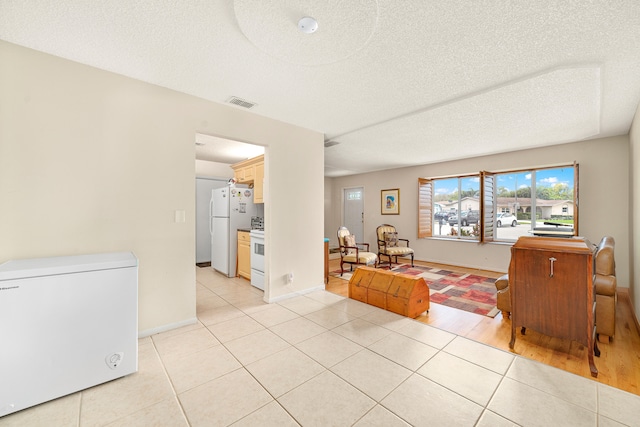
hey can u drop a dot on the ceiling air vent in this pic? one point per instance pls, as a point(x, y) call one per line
point(241, 102)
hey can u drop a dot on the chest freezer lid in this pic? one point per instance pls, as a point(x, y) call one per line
point(38, 267)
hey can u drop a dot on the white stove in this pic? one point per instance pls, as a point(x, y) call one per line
point(257, 258)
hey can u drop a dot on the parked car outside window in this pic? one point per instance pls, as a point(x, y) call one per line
point(506, 218)
point(443, 215)
point(466, 218)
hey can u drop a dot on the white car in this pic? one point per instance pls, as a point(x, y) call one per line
point(506, 218)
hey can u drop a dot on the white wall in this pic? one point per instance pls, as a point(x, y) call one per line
point(330, 212)
point(91, 161)
point(603, 192)
point(205, 168)
point(294, 215)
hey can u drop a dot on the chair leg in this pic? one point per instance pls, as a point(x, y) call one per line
point(380, 261)
point(341, 268)
point(391, 262)
point(411, 260)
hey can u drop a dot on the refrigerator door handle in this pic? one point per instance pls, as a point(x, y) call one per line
point(211, 217)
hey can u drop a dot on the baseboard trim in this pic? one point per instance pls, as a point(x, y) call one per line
point(165, 328)
point(623, 294)
point(295, 294)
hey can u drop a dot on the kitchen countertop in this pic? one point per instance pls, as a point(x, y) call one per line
point(245, 230)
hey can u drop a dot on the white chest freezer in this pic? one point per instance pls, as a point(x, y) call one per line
point(66, 324)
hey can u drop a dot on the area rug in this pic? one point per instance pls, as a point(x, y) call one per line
point(346, 276)
point(468, 292)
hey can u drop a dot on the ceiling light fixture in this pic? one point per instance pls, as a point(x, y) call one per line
point(307, 25)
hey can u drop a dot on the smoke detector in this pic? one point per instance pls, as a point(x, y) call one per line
point(307, 25)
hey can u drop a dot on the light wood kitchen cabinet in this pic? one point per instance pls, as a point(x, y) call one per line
point(258, 183)
point(244, 254)
point(244, 174)
point(251, 171)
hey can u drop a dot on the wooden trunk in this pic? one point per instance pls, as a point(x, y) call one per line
point(377, 291)
point(552, 291)
point(408, 295)
point(399, 293)
point(359, 283)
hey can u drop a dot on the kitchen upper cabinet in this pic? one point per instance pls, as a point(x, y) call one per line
point(244, 254)
point(258, 183)
point(244, 174)
point(251, 171)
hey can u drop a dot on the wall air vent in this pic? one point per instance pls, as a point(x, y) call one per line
point(241, 102)
point(328, 144)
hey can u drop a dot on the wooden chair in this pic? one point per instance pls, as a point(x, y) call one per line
point(352, 252)
point(388, 244)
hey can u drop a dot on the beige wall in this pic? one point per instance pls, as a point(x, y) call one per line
point(329, 210)
point(213, 169)
point(604, 183)
point(634, 196)
point(95, 162)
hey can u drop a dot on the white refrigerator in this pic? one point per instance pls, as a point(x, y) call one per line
point(204, 185)
point(231, 209)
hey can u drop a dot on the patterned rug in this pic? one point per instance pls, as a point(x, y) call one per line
point(468, 292)
point(346, 276)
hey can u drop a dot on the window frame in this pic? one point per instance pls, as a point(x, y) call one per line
point(426, 209)
point(487, 201)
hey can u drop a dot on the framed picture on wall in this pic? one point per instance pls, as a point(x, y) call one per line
point(390, 204)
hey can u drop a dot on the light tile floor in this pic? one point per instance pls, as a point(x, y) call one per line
point(322, 360)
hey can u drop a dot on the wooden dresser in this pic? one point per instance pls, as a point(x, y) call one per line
point(552, 291)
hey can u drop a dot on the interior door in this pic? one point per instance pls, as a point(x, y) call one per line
point(353, 205)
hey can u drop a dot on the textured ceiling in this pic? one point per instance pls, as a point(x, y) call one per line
point(396, 83)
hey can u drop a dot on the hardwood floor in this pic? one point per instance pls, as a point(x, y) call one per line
point(618, 364)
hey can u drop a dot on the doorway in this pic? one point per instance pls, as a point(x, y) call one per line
point(353, 211)
point(214, 156)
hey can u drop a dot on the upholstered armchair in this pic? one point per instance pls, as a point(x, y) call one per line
point(503, 296)
point(352, 252)
point(604, 280)
point(389, 246)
